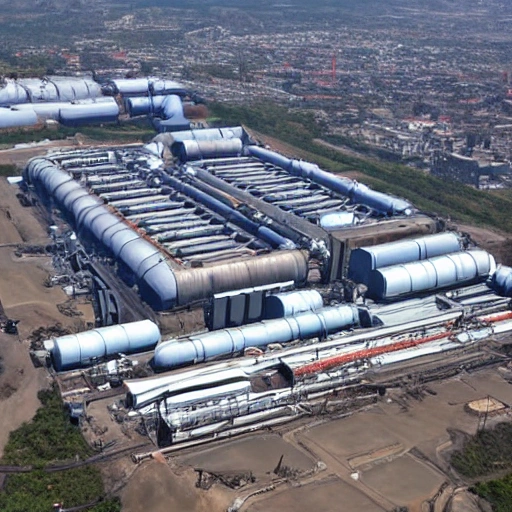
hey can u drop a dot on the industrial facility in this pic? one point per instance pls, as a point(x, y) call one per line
point(279, 283)
point(79, 101)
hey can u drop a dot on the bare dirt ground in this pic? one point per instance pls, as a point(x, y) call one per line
point(402, 446)
point(499, 244)
point(326, 496)
point(416, 480)
point(20, 156)
point(24, 298)
point(156, 487)
point(235, 456)
point(420, 427)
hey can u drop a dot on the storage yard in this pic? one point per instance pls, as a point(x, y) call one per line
point(280, 336)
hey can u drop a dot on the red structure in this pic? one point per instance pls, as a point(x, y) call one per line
point(335, 361)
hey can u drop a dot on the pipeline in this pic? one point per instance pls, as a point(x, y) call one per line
point(225, 342)
point(333, 362)
point(266, 234)
point(499, 317)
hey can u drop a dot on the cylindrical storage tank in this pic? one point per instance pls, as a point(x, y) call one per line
point(76, 350)
point(196, 150)
point(72, 89)
point(86, 113)
point(233, 132)
point(438, 244)
point(40, 90)
point(86, 209)
point(44, 111)
point(121, 238)
point(382, 203)
point(157, 284)
point(291, 303)
point(163, 87)
point(138, 106)
point(102, 223)
point(12, 94)
point(434, 273)
point(74, 194)
point(66, 353)
point(231, 341)
point(138, 337)
point(501, 281)
point(485, 262)
point(172, 354)
point(17, 118)
point(127, 86)
point(207, 134)
point(424, 276)
point(92, 345)
point(67, 189)
point(274, 239)
point(172, 107)
point(365, 259)
point(342, 186)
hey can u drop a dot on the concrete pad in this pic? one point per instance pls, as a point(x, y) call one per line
point(352, 436)
point(325, 496)
point(403, 480)
point(259, 454)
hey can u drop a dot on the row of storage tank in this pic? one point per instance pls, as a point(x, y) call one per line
point(388, 270)
point(410, 266)
point(292, 316)
point(76, 101)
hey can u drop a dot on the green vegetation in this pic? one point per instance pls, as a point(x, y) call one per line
point(488, 452)
point(446, 198)
point(139, 130)
point(50, 438)
point(22, 136)
point(8, 170)
point(497, 492)
point(136, 130)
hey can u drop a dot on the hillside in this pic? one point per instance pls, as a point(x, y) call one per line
point(449, 199)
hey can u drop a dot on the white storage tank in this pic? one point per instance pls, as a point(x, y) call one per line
point(225, 342)
point(431, 274)
point(365, 259)
point(291, 303)
point(501, 281)
point(78, 350)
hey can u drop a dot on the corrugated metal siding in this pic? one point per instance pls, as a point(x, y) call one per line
point(277, 267)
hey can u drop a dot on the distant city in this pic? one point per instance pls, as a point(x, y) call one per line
point(432, 89)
